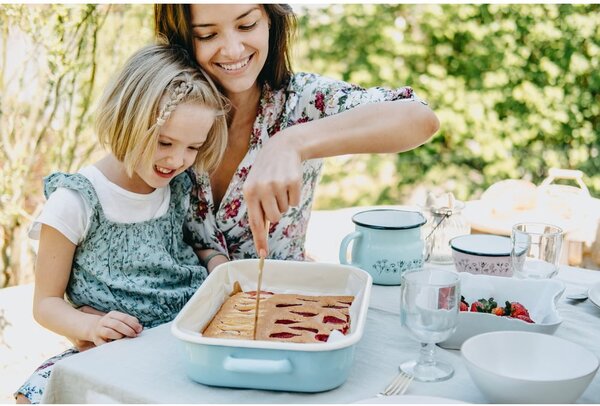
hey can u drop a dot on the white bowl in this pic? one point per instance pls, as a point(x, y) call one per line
point(522, 367)
point(484, 254)
point(539, 296)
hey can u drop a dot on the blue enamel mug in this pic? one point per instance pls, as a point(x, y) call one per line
point(386, 243)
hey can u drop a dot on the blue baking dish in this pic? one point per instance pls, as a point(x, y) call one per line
point(272, 365)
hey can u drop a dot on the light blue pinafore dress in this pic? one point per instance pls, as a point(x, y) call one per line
point(144, 269)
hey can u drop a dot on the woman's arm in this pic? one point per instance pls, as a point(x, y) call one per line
point(52, 270)
point(274, 183)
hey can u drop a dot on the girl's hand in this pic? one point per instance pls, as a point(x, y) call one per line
point(114, 325)
point(272, 186)
point(90, 310)
point(83, 345)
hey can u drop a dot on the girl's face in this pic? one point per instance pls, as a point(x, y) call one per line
point(231, 43)
point(180, 139)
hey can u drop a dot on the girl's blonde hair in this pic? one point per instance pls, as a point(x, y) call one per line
point(140, 99)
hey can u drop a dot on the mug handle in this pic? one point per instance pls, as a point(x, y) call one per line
point(344, 247)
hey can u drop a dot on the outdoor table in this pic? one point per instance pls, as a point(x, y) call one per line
point(150, 368)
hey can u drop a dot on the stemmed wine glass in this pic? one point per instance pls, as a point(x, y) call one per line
point(429, 304)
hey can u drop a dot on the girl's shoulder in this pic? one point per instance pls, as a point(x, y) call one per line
point(73, 181)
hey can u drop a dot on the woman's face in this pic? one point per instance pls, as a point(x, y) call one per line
point(231, 43)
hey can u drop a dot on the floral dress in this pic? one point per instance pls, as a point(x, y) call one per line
point(307, 97)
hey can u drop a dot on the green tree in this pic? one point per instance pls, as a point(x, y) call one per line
point(516, 87)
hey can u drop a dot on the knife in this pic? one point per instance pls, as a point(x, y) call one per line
point(261, 265)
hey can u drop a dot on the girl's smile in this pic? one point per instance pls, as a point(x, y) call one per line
point(181, 137)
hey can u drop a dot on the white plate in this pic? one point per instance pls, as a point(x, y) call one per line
point(594, 294)
point(410, 399)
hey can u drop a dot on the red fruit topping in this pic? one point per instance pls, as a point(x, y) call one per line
point(287, 304)
point(262, 292)
point(284, 321)
point(305, 314)
point(322, 337)
point(283, 335)
point(312, 330)
point(333, 319)
point(334, 307)
point(346, 303)
point(464, 307)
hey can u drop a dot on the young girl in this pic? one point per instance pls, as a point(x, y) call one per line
point(111, 235)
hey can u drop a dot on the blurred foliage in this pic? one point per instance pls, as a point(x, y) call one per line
point(516, 88)
point(54, 61)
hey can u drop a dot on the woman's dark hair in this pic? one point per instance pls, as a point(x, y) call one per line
point(172, 24)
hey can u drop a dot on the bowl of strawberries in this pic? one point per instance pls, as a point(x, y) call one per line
point(493, 303)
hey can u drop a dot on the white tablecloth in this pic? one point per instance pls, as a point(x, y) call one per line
point(149, 368)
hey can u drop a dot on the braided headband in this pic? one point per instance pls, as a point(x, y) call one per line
point(177, 96)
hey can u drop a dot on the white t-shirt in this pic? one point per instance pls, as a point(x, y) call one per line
point(68, 212)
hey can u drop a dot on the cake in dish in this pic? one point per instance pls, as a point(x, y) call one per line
point(281, 317)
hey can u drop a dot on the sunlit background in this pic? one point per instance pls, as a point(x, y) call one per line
point(516, 88)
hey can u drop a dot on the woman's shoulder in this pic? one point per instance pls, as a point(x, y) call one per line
point(302, 80)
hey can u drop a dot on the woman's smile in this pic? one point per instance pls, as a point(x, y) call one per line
point(235, 67)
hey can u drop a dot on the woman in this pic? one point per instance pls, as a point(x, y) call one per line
point(280, 125)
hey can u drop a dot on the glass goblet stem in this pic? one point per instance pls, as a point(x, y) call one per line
point(426, 355)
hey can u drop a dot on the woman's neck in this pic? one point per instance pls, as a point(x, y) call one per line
point(243, 107)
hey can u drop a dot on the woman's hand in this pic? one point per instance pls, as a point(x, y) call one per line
point(112, 326)
point(272, 186)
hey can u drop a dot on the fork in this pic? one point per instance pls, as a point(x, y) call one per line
point(398, 386)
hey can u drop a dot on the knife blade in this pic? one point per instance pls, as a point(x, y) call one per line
point(261, 265)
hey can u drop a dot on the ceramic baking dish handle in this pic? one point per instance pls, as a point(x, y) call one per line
point(258, 366)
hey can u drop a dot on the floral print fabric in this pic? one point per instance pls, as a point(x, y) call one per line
point(307, 97)
point(33, 389)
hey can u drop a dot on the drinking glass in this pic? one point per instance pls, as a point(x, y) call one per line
point(429, 302)
point(535, 250)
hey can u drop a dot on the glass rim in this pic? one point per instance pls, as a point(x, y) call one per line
point(558, 230)
point(439, 284)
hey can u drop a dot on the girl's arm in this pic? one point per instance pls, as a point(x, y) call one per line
point(211, 258)
point(274, 183)
point(52, 270)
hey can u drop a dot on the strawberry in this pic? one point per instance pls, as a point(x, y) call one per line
point(483, 305)
point(477, 306)
point(518, 309)
point(498, 311)
point(464, 306)
point(524, 318)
